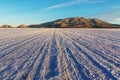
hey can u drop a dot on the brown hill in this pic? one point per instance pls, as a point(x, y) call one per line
point(76, 22)
point(22, 26)
point(5, 26)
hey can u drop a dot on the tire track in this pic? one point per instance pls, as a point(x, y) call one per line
point(41, 61)
point(106, 57)
point(80, 68)
point(53, 59)
point(108, 74)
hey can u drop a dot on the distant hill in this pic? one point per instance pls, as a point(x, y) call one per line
point(5, 26)
point(76, 22)
point(22, 26)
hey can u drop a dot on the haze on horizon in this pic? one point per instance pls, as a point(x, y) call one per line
point(16, 12)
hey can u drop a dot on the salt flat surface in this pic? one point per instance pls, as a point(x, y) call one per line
point(59, 54)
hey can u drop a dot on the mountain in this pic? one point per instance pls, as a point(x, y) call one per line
point(22, 26)
point(76, 22)
point(5, 26)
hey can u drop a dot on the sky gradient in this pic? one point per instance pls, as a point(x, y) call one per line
point(16, 12)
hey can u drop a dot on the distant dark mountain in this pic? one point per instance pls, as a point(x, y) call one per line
point(76, 22)
point(5, 26)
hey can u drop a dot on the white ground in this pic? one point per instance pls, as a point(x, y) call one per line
point(59, 54)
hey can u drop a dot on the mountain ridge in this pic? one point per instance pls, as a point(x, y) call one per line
point(71, 22)
point(76, 22)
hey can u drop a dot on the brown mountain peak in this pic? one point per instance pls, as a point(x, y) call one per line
point(22, 26)
point(6, 26)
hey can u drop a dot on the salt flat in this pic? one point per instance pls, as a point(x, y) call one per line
point(59, 54)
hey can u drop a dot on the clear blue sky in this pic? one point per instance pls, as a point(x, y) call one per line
point(16, 12)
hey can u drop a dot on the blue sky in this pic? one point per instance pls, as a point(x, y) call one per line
point(16, 12)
